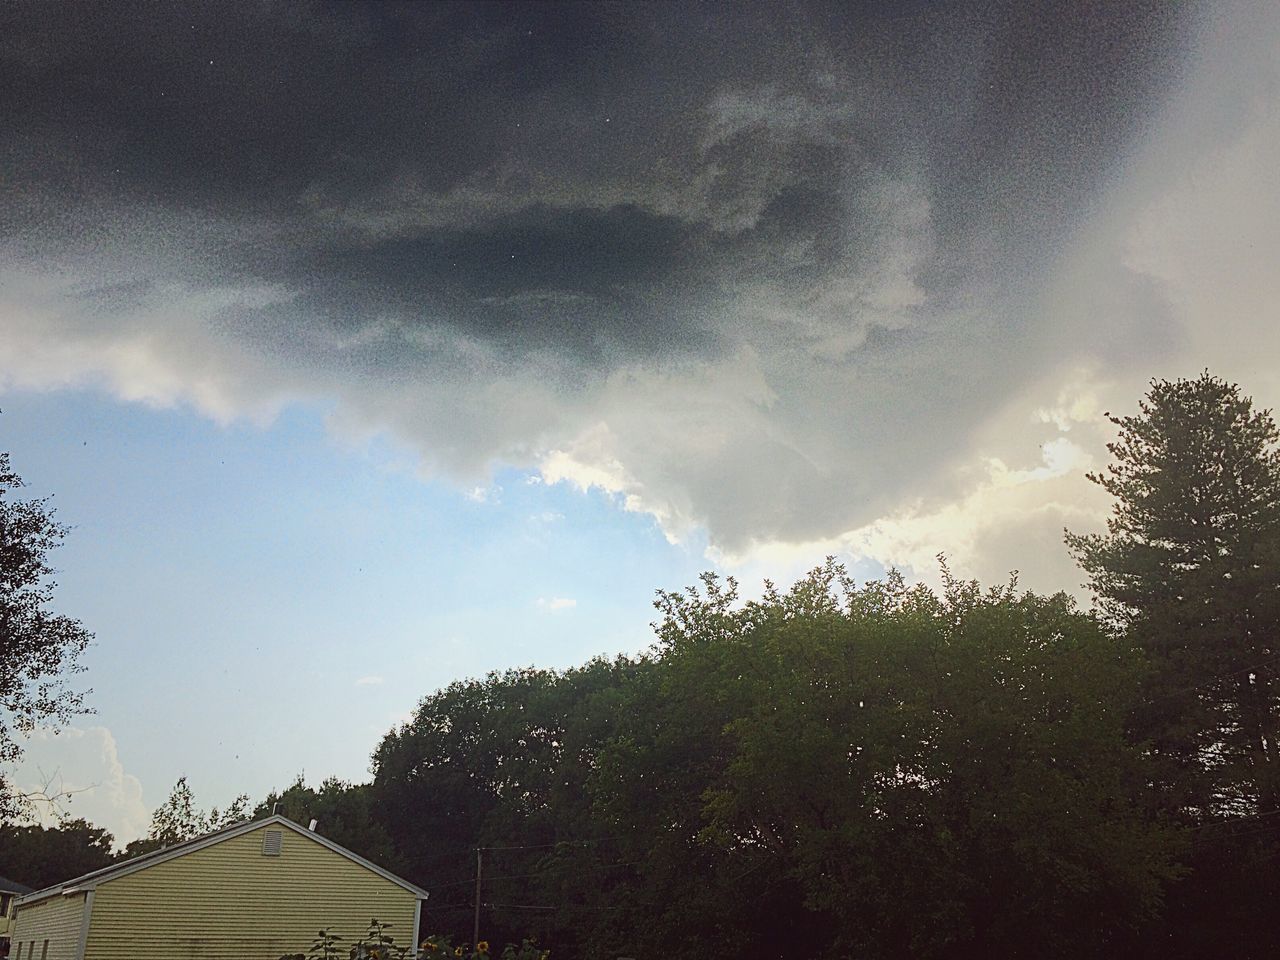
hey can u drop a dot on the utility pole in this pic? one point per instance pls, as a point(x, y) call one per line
point(475, 930)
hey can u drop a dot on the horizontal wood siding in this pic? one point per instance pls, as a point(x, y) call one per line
point(229, 902)
point(56, 919)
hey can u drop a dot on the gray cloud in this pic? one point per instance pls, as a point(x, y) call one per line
point(766, 269)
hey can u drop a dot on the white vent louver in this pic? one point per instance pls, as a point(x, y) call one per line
point(272, 843)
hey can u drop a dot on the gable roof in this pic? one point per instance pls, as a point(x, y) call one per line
point(90, 881)
point(9, 886)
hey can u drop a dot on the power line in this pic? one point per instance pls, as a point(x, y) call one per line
point(480, 852)
point(537, 873)
point(549, 909)
point(558, 843)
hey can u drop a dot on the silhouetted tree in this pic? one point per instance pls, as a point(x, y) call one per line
point(1190, 569)
point(39, 649)
point(344, 813)
point(877, 771)
point(178, 819)
point(43, 856)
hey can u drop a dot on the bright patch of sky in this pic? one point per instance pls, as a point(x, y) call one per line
point(270, 601)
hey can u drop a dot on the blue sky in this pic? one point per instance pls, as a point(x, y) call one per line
point(269, 600)
point(439, 343)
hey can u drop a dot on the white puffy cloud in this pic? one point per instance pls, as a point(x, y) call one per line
point(84, 765)
point(163, 349)
point(1008, 511)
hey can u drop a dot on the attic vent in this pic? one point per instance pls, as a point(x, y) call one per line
point(272, 842)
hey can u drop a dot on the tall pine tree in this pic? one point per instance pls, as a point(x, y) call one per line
point(1190, 565)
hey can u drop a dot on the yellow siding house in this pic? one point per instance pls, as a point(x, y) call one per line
point(9, 892)
point(254, 891)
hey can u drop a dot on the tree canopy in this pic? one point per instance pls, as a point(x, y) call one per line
point(1190, 570)
point(878, 771)
point(43, 856)
point(344, 812)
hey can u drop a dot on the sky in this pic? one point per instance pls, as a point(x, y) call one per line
point(370, 347)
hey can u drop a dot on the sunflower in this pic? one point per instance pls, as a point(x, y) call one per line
point(457, 951)
point(428, 945)
point(482, 947)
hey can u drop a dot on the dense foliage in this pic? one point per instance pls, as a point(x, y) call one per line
point(1190, 570)
point(378, 943)
point(836, 770)
point(42, 856)
point(344, 812)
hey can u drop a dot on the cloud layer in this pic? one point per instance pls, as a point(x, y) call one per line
point(794, 275)
point(81, 769)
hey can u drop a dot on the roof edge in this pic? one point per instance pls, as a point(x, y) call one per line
point(351, 855)
point(14, 888)
point(90, 881)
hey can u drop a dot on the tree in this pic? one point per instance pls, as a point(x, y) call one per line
point(504, 762)
point(178, 819)
point(43, 856)
point(39, 649)
point(1190, 568)
point(902, 774)
point(344, 813)
point(837, 771)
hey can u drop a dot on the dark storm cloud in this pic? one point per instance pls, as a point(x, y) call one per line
point(816, 195)
point(277, 112)
point(538, 280)
point(1056, 95)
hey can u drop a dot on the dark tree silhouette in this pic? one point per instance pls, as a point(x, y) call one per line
point(39, 649)
point(1190, 568)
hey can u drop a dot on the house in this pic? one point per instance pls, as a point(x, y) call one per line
point(9, 892)
point(254, 891)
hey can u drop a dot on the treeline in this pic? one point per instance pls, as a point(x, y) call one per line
point(869, 771)
point(881, 770)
